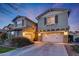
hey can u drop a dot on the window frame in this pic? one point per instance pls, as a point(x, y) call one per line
point(55, 20)
point(19, 23)
point(51, 22)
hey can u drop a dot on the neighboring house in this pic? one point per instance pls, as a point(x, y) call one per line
point(10, 32)
point(24, 27)
point(0, 34)
point(76, 35)
point(73, 35)
point(1, 30)
point(6, 28)
point(11, 26)
point(53, 25)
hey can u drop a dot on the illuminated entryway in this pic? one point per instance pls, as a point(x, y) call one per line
point(29, 35)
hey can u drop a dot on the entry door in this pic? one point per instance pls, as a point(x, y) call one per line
point(28, 36)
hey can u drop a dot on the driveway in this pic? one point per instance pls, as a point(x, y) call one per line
point(39, 49)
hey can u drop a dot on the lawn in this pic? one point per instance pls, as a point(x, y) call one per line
point(5, 49)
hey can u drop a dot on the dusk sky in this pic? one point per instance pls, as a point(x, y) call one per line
point(9, 11)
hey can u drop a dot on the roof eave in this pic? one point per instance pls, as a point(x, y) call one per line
point(49, 10)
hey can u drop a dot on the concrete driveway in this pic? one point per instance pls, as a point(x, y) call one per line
point(40, 49)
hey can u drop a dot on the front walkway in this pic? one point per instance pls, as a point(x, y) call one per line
point(39, 49)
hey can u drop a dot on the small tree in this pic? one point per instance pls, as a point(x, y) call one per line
point(3, 37)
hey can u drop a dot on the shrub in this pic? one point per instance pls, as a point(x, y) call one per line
point(21, 41)
point(77, 39)
point(76, 48)
point(3, 37)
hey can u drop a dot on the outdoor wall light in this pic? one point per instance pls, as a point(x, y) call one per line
point(39, 34)
point(65, 33)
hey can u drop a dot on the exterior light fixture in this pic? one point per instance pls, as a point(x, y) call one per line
point(39, 34)
point(65, 33)
point(12, 33)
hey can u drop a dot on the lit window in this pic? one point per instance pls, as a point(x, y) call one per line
point(12, 33)
point(50, 20)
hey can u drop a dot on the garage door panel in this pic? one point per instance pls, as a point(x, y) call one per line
point(52, 38)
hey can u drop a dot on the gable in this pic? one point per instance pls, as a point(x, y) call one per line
point(18, 18)
point(53, 11)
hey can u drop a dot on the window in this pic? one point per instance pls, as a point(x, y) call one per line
point(52, 30)
point(19, 23)
point(48, 30)
point(56, 19)
point(18, 33)
point(50, 20)
point(45, 20)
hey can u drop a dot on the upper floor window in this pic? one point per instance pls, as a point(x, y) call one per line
point(51, 20)
point(19, 23)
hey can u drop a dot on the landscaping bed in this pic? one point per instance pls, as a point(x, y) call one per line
point(19, 42)
point(72, 50)
point(75, 48)
point(5, 49)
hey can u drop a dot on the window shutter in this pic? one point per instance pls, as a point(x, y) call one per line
point(56, 19)
point(45, 20)
point(68, 13)
point(22, 22)
point(15, 23)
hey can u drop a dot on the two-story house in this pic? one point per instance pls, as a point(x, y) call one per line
point(8, 30)
point(5, 28)
point(53, 25)
point(24, 27)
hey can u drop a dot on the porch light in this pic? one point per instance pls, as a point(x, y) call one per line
point(39, 34)
point(65, 33)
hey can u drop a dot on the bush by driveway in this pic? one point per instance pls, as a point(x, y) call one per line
point(72, 50)
point(76, 48)
point(20, 42)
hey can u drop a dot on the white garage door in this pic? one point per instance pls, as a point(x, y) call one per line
point(53, 38)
